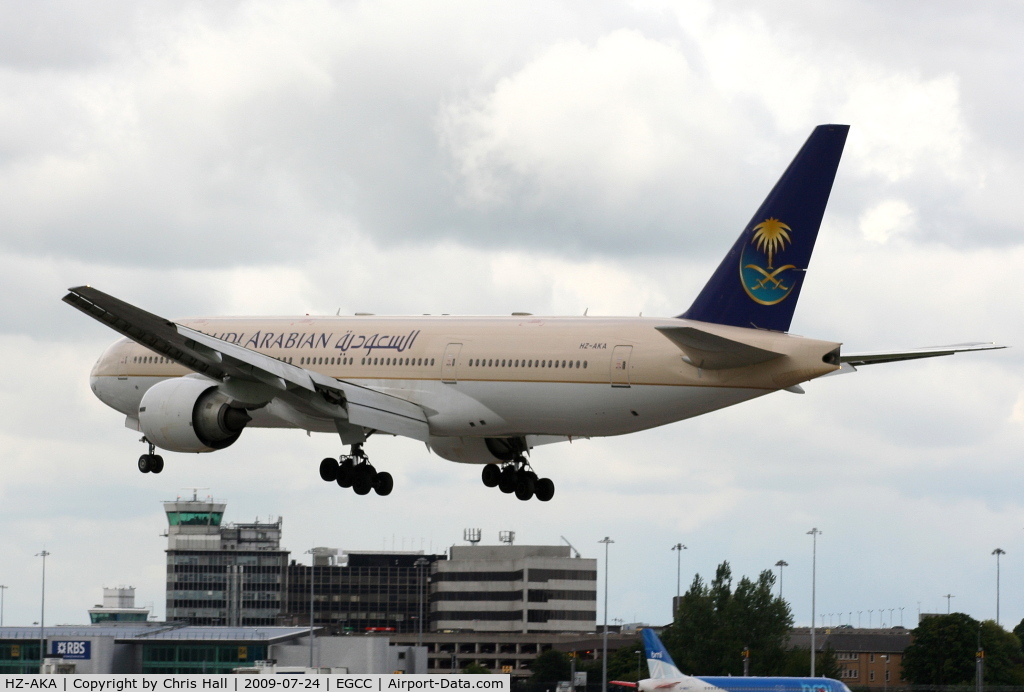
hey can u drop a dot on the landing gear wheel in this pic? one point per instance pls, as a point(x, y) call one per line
point(363, 477)
point(145, 464)
point(544, 489)
point(491, 475)
point(156, 463)
point(329, 470)
point(345, 476)
point(524, 485)
point(383, 483)
point(507, 481)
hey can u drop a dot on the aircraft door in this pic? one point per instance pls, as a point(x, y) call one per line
point(620, 366)
point(449, 364)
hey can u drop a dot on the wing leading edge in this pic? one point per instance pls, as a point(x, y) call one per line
point(251, 376)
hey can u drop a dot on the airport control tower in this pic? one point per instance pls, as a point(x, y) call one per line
point(222, 574)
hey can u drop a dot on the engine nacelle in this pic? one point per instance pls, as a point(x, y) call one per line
point(186, 414)
point(477, 450)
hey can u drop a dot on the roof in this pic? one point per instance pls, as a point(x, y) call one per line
point(162, 631)
point(854, 641)
point(120, 631)
point(269, 635)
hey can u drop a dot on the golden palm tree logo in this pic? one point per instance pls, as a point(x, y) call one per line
point(767, 285)
point(771, 236)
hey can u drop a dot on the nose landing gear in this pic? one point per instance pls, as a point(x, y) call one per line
point(517, 477)
point(355, 471)
point(152, 462)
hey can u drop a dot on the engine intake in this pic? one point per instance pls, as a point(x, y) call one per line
point(187, 414)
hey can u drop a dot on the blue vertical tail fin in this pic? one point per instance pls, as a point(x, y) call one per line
point(659, 662)
point(758, 283)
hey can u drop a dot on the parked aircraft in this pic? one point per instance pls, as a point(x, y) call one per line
point(665, 677)
point(486, 390)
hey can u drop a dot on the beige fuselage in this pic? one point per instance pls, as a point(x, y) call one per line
point(493, 376)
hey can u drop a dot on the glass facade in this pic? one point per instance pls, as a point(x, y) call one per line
point(168, 658)
point(225, 587)
point(379, 591)
point(194, 518)
point(99, 618)
point(19, 657)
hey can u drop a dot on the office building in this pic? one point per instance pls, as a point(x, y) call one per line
point(361, 591)
point(513, 588)
point(222, 574)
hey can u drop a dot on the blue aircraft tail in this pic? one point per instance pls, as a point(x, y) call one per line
point(659, 662)
point(758, 283)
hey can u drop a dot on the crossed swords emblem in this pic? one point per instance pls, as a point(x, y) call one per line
point(770, 277)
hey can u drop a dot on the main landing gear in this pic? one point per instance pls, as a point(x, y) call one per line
point(152, 462)
point(517, 477)
point(355, 471)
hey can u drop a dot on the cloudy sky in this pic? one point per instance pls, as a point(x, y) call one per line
point(258, 157)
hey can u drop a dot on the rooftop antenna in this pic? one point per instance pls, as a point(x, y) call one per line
point(571, 546)
point(471, 536)
point(195, 493)
point(507, 537)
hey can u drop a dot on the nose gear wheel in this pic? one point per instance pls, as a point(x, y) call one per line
point(151, 462)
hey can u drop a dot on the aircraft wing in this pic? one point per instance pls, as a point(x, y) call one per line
point(873, 357)
point(236, 366)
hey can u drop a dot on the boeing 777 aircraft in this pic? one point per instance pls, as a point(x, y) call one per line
point(486, 390)
point(666, 677)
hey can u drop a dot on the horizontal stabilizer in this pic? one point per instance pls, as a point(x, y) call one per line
point(873, 357)
point(712, 352)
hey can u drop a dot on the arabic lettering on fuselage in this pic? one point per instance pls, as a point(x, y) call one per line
point(349, 341)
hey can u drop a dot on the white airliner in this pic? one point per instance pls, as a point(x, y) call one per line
point(666, 677)
point(486, 390)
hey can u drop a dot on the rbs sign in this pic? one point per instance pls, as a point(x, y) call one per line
point(71, 650)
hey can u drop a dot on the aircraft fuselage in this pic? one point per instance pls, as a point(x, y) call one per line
point(492, 376)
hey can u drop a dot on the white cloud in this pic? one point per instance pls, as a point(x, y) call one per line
point(613, 117)
point(886, 219)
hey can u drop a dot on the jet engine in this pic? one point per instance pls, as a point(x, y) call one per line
point(186, 414)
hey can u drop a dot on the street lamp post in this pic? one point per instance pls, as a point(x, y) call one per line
point(2, 589)
point(813, 533)
point(42, 613)
point(679, 548)
point(419, 565)
point(997, 552)
point(948, 598)
point(604, 643)
point(312, 567)
point(780, 564)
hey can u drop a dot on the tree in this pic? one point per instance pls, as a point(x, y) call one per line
point(475, 668)
point(714, 623)
point(1004, 661)
point(549, 667)
point(1019, 630)
point(622, 663)
point(944, 649)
